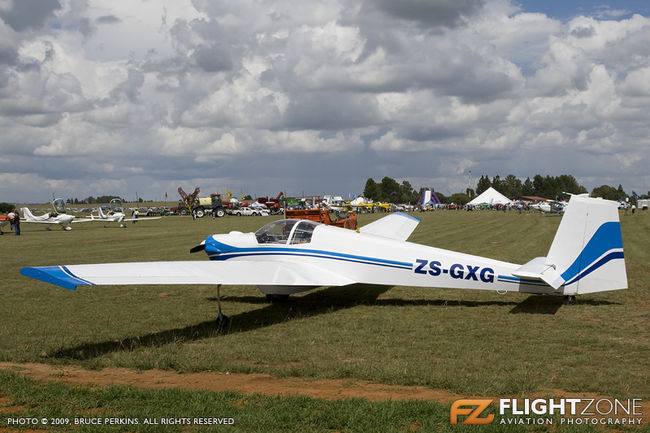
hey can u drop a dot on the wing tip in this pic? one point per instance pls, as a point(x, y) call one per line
point(408, 216)
point(57, 275)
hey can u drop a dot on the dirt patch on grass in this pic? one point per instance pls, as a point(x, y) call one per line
point(258, 383)
point(330, 389)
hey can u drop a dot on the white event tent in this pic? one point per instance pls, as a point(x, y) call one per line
point(492, 197)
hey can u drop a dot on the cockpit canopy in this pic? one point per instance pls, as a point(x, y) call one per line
point(289, 231)
point(116, 205)
point(59, 206)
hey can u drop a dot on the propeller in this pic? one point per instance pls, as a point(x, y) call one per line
point(199, 247)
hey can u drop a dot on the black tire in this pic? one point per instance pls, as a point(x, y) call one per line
point(221, 213)
point(200, 212)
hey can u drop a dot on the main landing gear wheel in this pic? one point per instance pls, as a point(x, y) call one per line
point(222, 319)
point(570, 300)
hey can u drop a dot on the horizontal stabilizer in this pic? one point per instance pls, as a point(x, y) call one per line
point(538, 269)
point(188, 272)
point(397, 226)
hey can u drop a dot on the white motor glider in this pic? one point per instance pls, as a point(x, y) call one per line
point(64, 220)
point(59, 216)
point(290, 256)
point(553, 207)
point(116, 214)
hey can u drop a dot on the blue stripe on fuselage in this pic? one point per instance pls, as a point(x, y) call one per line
point(510, 279)
point(220, 251)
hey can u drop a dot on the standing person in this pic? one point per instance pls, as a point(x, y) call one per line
point(11, 216)
point(16, 223)
point(136, 213)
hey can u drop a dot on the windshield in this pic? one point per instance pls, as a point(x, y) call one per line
point(59, 205)
point(116, 205)
point(276, 232)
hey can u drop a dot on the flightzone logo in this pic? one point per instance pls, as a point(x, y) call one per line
point(542, 411)
point(472, 409)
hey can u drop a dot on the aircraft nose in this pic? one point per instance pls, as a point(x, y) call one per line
point(214, 247)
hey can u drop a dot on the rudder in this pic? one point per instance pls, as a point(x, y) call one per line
point(587, 250)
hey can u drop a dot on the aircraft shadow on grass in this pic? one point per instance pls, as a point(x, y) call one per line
point(313, 304)
point(540, 304)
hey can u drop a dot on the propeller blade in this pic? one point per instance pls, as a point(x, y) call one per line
point(196, 249)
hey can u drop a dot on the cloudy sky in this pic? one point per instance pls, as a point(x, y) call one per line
point(313, 97)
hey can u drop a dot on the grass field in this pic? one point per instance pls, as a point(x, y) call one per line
point(467, 342)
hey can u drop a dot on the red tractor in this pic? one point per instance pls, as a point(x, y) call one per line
point(323, 216)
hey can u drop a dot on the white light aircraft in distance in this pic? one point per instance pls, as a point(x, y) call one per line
point(290, 256)
point(59, 216)
point(554, 207)
point(116, 214)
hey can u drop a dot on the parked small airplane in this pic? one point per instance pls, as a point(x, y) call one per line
point(554, 207)
point(290, 256)
point(49, 218)
point(116, 214)
point(59, 216)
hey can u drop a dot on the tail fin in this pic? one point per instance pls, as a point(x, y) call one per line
point(588, 249)
point(101, 214)
point(586, 255)
point(27, 214)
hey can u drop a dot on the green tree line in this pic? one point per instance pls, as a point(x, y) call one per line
point(550, 187)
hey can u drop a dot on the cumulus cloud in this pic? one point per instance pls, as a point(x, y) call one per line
point(315, 97)
point(28, 14)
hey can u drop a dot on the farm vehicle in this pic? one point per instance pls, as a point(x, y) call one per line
point(201, 206)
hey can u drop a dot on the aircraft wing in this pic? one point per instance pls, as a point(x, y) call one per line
point(397, 225)
point(189, 272)
point(141, 218)
point(84, 220)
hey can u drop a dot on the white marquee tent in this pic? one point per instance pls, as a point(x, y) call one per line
point(492, 197)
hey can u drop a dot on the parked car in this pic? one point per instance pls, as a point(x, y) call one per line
point(249, 212)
